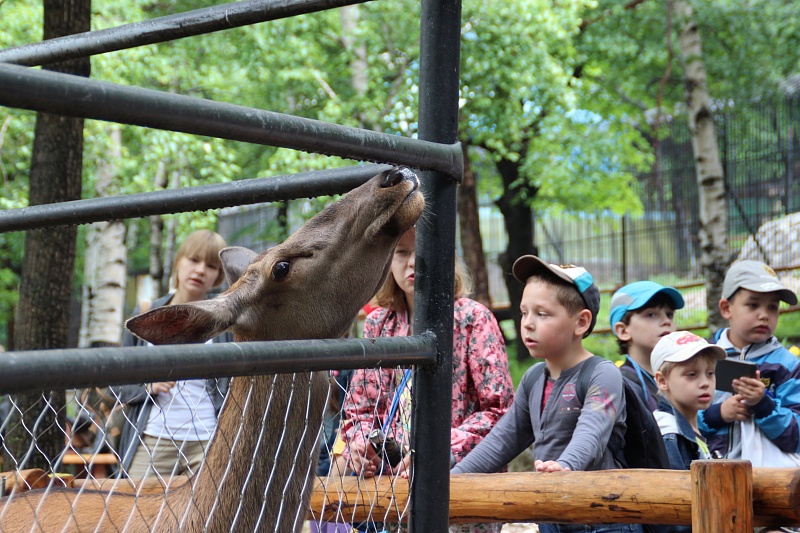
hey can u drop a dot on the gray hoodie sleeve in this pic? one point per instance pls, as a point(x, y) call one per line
point(512, 434)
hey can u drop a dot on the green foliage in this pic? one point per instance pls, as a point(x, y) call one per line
point(567, 89)
point(521, 102)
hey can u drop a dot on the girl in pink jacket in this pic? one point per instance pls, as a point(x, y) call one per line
point(380, 398)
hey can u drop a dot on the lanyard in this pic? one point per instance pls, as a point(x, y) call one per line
point(643, 377)
point(396, 400)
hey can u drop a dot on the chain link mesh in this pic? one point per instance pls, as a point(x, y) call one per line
point(89, 424)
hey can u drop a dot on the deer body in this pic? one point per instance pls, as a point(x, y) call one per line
point(258, 472)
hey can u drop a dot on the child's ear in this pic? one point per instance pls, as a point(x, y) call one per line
point(584, 321)
point(725, 308)
point(661, 381)
point(621, 331)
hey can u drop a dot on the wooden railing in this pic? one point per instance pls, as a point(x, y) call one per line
point(714, 496)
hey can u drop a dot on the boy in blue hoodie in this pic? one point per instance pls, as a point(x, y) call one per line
point(751, 296)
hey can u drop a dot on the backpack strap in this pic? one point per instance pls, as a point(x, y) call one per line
point(536, 372)
point(585, 375)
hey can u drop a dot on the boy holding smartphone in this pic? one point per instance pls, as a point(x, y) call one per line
point(751, 296)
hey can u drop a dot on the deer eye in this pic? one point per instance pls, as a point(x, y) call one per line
point(280, 269)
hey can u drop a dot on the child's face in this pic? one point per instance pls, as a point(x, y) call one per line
point(196, 277)
point(403, 262)
point(690, 385)
point(646, 327)
point(548, 329)
point(753, 316)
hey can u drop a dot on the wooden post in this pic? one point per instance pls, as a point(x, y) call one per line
point(722, 496)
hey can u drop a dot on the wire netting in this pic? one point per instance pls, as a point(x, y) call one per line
point(90, 423)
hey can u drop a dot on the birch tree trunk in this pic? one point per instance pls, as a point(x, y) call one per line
point(157, 237)
point(713, 236)
point(349, 17)
point(168, 249)
point(105, 269)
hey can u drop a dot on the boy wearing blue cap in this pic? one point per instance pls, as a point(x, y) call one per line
point(642, 313)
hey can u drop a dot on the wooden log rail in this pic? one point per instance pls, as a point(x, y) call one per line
point(715, 496)
point(629, 496)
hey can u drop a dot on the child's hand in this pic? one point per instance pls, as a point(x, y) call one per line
point(734, 409)
point(363, 459)
point(750, 389)
point(159, 387)
point(403, 468)
point(549, 466)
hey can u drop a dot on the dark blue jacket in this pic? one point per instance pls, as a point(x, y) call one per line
point(681, 443)
point(679, 437)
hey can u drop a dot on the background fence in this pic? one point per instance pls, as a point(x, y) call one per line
point(760, 151)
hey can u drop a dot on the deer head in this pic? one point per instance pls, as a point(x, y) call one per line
point(310, 286)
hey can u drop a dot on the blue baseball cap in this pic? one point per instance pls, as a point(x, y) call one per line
point(635, 296)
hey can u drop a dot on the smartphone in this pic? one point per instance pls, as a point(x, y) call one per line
point(730, 369)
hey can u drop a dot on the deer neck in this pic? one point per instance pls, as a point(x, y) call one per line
point(264, 418)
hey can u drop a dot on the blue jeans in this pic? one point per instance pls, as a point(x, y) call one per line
point(597, 528)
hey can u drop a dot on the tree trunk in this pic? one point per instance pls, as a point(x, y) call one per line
point(349, 17)
point(518, 220)
point(470, 232)
point(168, 249)
point(157, 237)
point(49, 261)
point(713, 235)
point(105, 271)
point(283, 220)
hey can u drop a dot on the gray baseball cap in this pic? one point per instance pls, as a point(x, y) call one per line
point(757, 277)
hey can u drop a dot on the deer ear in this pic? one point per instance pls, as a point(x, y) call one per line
point(192, 323)
point(234, 262)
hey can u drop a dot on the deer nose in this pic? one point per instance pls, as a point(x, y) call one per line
point(395, 177)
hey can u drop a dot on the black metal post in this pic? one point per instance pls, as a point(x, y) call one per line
point(99, 367)
point(440, 34)
point(163, 29)
point(242, 192)
point(74, 96)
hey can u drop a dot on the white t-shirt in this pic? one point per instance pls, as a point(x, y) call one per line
point(185, 413)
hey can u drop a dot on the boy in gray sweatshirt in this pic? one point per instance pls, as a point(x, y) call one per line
point(559, 309)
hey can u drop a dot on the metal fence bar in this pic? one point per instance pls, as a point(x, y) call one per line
point(440, 41)
point(163, 29)
point(98, 367)
point(243, 192)
point(62, 94)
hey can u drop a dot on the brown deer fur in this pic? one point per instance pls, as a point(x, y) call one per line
point(311, 286)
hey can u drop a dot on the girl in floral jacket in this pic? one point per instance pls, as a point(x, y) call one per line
point(482, 387)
